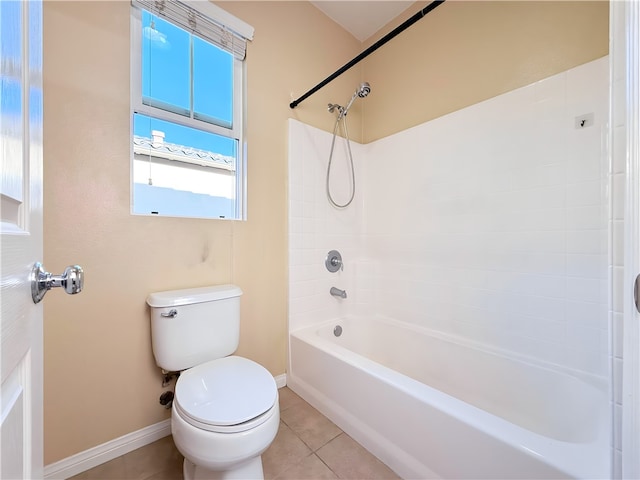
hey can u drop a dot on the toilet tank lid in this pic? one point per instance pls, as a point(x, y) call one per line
point(174, 298)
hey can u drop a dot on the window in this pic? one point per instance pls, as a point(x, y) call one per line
point(187, 105)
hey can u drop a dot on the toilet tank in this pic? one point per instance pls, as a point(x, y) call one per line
point(193, 326)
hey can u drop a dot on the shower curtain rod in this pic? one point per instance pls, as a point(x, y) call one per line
point(369, 50)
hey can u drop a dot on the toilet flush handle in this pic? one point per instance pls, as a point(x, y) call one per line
point(170, 314)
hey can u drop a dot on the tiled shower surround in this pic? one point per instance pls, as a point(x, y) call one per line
point(490, 223)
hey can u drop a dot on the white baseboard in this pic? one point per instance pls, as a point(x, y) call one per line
point(80, 462)
point(281, 380)
point(83, 461)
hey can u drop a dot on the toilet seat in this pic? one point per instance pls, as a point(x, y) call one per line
point(227, 395)
point(241, 427)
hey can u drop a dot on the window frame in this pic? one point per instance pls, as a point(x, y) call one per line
point(236, 131)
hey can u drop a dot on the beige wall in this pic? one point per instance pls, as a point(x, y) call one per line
point(464, 52)
point(100, 377)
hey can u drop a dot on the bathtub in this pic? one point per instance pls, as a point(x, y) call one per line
point(430, 406)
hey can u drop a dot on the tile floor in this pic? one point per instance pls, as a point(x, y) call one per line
point(308, 446)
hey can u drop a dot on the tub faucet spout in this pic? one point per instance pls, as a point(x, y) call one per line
point(336, 292)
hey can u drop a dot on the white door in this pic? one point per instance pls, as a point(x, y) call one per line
point(625, 24)
point(20, 238)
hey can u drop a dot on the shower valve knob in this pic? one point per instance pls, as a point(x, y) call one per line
point(333, 262)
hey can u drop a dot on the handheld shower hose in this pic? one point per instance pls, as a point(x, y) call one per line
point(363, 90)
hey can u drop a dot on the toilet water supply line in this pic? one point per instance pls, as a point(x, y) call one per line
point(166, 398)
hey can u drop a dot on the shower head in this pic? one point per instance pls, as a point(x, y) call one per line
point(364, 89)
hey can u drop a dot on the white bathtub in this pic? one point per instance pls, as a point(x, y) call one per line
point(430, 406)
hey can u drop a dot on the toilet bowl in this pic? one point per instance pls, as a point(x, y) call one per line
point(224, 416)
point(225, 410)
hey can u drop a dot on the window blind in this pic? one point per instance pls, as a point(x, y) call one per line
point(195, 21)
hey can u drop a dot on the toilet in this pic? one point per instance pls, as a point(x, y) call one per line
point(225, 410)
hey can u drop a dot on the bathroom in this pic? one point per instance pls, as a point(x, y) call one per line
point(97, 352)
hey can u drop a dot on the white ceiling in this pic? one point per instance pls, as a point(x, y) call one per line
point(362, 18)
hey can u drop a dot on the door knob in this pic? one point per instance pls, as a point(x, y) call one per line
point(72, 280)
point(636, 293)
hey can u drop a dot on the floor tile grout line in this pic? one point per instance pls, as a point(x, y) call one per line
point(327, 442)
point(327, 465)
point(295, 464)
point(311, 448)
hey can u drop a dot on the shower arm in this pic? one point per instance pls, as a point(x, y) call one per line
point(421, 14)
